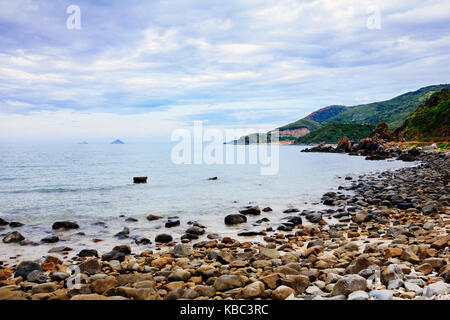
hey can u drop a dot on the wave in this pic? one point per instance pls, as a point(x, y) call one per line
point(62, 189)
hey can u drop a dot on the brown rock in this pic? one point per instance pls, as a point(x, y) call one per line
point(409, 255)
point(91, 266)
point(358, 264)
point(441, 243)
point(425, 268)
point(282, 292)
point(271, 280)
point(297, 282)
point(100, 286)
point(392, 252)
point(161, 262)
point(227, 282)
point(253, 290)
point(89, 297)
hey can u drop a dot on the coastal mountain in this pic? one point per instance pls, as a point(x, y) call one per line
point(332, 132)
point(393, 111)
point(430, 121)
point(326, 113)
point(333, 121)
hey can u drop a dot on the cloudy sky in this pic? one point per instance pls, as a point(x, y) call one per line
point(136, 70)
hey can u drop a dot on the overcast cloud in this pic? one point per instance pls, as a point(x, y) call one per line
point(136, 70)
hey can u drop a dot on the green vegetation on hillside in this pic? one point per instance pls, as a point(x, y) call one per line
point(430, 120)
point(331, 133)
point(302, 123)
point(326, 113)
point(393, 111)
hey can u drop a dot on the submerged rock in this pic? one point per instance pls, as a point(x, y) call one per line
point(65, 225)
point(252, 211)
point(13, 237)
point(163, 238)
point(235, 219)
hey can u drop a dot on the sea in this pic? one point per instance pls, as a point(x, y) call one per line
point(92, 185)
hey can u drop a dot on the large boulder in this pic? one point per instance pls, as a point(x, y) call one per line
point(227, 282)
point(25, 268)
point(381, 132)
point(235, 219)
point(344, 145)
point(349, 284)
point(13, 237)
point(66, 225)
point(251, 210)
point(163, 238)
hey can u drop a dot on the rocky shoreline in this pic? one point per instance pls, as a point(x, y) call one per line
point(391, 241)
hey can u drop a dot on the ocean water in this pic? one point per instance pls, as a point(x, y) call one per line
point(41, 184)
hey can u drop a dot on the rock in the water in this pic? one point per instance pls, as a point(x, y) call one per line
point(25, 268)
point(163, 238)
point(195, 230)
point(50, 239)
point(3, 222)
point(15, 224)
point(125, 233)
point(88, 253)
point(13, 237)
point(252, 211)
point(139, 179)
point(344, 145)
point(172, 223)
point(125, 249)
point(65, 225)
point(235, 219)
point(152, 217)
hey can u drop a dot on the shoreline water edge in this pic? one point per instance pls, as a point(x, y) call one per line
point(389, 240)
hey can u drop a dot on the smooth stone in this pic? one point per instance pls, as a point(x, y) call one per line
point(25, 268)
point(181, 250)
point(64, 225)
point(358, 295)
point(163, 238)
point(37, 276)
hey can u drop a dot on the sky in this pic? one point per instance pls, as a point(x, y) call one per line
point(137, 70)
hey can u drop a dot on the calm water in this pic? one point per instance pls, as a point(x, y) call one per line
point(40, 184)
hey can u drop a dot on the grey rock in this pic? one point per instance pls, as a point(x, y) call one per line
point(37, 276)
point(25, 268)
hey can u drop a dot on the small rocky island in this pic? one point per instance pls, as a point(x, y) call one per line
point(117, 141)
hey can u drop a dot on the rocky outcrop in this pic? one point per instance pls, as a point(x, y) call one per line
point(381, 132)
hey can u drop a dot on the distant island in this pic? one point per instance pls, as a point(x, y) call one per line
point(83, 142)
point(117, 142)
